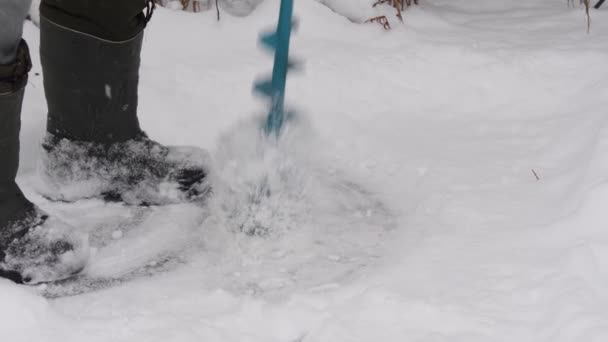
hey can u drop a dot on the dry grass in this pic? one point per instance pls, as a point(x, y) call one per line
point(188, 5)
point(398, 5)
point(382, 20)
point(587, 4)
point(195, 5)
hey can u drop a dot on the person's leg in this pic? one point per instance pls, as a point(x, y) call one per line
point(28, 237)
point(90, 54)
point(13, 77)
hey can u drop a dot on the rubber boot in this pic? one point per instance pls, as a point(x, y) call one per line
point(33, 246)
point(90, 85)
point(95, 147)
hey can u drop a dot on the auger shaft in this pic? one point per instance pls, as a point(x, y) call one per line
point(274, 87)
point(276, 117)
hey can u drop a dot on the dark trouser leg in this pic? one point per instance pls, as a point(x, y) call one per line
point(13, 205)
point(90, 54)
point(114, 20)
point(14, 65)
point(12, 14)
point(33, 247)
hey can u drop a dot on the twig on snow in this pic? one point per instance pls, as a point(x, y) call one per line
point(535, 175)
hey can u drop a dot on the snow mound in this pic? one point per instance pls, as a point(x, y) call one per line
point(239, 8)
point(299, 218)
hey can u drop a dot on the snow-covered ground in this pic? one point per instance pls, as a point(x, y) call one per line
point(444, 181)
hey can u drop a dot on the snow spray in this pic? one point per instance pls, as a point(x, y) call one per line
point(274, 88)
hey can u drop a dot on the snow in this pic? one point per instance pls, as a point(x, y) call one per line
point(34, 11)
point(445, 233)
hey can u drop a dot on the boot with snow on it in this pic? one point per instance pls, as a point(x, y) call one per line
point(94, 146)
point(34, 247)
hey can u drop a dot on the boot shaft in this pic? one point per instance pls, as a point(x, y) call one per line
point(13, 79)
point(90, 84)
point(10, 125)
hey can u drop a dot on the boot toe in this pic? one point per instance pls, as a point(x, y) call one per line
point(49, 252)
point(191, 170)
point(189, 157)
point(137, 172)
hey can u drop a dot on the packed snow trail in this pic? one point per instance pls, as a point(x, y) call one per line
point(478, 127)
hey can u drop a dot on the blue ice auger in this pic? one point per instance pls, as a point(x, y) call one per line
point(274, 89)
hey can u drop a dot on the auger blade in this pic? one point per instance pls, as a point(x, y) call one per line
point(269, 41)
point(264, 88)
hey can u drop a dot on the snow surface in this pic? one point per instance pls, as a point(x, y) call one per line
point(406, 202)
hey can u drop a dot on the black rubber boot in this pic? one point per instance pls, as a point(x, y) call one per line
point(90, 85)
point(94, 147)
point(33, 247)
